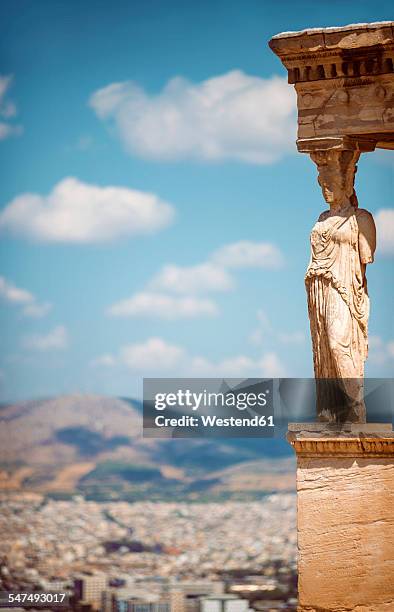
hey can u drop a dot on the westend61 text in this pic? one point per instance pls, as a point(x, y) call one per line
point(208, 407)
point(214, 421)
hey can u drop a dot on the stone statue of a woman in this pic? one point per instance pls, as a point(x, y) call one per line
point(343, 242)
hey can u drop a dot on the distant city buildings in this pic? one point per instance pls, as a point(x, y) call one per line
point(223, 603)
point(152, 557)
point(89, 589)
point(182, 602)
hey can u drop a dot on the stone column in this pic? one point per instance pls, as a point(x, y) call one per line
point(344, 80)
point(345, 509)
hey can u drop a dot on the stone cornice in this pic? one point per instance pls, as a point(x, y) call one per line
point(359, 50)
point(342, 445)
point(315, 40)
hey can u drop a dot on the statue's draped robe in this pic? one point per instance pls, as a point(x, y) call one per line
point(342, 243)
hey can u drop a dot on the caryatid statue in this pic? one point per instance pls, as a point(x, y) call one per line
point(344, 82)
point(343, 242)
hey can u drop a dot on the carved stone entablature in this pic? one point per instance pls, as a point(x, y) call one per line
point(331, 65)
point(331, 53)
point(344, 78)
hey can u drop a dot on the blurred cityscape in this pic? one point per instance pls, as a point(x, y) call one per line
point(152, 556)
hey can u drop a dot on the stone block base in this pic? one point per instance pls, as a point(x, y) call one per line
point(345, 519)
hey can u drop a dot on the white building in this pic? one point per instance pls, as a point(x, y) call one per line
point(223, 603)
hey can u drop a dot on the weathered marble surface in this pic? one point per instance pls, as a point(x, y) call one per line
point(344, 81)
point(345, 507)
point(343, 242)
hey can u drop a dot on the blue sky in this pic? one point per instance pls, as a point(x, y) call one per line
point(178, 243)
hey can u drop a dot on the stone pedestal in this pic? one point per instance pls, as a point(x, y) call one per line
point(345, 509)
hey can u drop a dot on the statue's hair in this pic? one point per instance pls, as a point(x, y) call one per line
point(353, 199)
point(339, 162)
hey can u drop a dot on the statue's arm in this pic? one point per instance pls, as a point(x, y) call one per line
point(366, 236)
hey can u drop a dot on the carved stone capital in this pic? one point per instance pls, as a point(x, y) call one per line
point(331, 444)
point(337, 169)
point(362, 144)
point(338, 161)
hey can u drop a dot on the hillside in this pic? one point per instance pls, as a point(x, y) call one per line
point(94, 446)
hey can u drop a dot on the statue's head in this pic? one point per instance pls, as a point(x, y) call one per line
point(336, 175)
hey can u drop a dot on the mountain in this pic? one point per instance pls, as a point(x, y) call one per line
point(94, 446)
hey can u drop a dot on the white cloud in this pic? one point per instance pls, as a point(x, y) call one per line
point(233, 116)
point(10, 293)
point(295, 337)
point(188, 281)
point(264, 329)
point(21, 297)
point(213, 274)
point(384, 220)
point(157, 355)
point(84, 143)
point(79, 212)
point(379, 350)
point(154, 354)
point(7, 110)
point(56, 339)
point(36, 310)
point(272, 366)
point(162, 306)
point(193, 279)
point(105, 360)
point(7, 130)
point(246, 254)
point(269, 364)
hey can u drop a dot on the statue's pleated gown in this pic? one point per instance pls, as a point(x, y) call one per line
point(342, 243)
